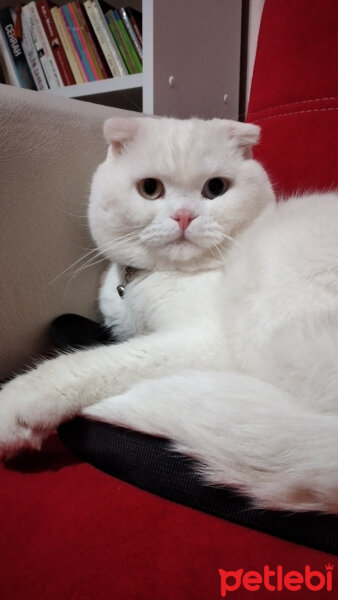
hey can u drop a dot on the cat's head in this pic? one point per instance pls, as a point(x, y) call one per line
point(172, 193)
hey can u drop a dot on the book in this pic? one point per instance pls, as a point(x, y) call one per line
point(43, 48)
point(55, 43)
point(7, 62)
point(88, 41)
point(114, 21)
point(135, 19)
point(2, 70)
point(127, 41)
point(31, 53)
point(67, 15)
point(105, 38)
point(68, 46)
point(109, 16)
point(85, 56)
point(97, 45)
point(131, 32)
point(18, 60)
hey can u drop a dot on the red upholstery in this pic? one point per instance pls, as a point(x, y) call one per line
point(71, 532)
point(294, 94)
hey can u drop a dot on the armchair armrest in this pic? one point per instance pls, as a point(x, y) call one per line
point(49, 149)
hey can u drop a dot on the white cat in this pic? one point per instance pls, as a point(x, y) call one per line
point(229, 319)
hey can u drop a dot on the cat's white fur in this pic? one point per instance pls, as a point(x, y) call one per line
point(230, 336)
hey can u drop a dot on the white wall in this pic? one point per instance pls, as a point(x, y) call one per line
point(255, 13)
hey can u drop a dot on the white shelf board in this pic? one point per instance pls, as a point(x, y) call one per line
point(115, 84)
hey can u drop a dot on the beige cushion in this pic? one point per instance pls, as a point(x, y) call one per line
point(49, 149)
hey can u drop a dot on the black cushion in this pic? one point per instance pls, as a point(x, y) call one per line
point(150, 463)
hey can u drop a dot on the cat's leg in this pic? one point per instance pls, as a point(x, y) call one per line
point(33, 404)
point(245, 434)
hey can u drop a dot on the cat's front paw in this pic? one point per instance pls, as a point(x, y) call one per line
point(25, 420)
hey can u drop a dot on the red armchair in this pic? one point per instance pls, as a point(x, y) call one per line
point(70, 531)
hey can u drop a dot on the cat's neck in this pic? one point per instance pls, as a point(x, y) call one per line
point(137, 267)
point(128, 274)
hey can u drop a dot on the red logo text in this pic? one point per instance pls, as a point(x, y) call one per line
point(276, 580)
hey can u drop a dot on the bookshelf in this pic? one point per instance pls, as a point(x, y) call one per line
point(121, 92)
point(191, 61)
point(118, 91)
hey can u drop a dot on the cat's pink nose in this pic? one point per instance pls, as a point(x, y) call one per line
point(184, 218)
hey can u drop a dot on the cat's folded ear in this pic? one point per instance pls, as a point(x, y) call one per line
point(244, 135)
point(119, 131)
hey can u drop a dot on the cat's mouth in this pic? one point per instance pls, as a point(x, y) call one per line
point(174, 245)
point(181, 248)
point(181, 240)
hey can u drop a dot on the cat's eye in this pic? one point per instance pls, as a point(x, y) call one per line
point(217, 186)
point(151, 188)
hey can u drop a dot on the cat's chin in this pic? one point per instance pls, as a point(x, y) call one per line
point(180, 250)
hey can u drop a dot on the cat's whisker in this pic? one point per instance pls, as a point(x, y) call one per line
point(90, 262)
point(210, 249)
point(87, 265)
point(216, 247)
point(133, 227)
point(232, 240)
point(71, 266)
point(219, 252)
point(96, 252)
point(129, 237)
point(70, 214)
point(81, 269)
point(84, 248)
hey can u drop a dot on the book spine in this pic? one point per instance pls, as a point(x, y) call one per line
point(131, 33)
point(134, 24)
point(71, 37)
point(119, 41)
point(26, 17)
point(81, 45)
point(101, 40)
point(54, 42)
point(15, 49)
point(31, 53)
point(112, 26)
point(87, 41)
point(99, 56)
point(67, 45)
point(8, 62)
point(76, 44)
point(120, 68)
point(127, 42)
point(3, 70)
point(44, 51)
